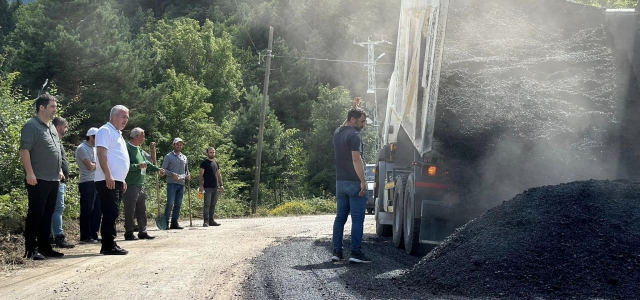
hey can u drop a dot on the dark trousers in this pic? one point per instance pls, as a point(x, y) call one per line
point(90, 211)
point(210, 201)
point(42, 201)
point(135, 206)
point(110, 204)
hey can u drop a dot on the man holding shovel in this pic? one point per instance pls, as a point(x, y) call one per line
point(135, 197)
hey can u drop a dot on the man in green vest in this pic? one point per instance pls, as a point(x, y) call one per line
point(135, 198)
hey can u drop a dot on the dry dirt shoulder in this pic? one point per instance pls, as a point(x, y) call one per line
point(197, 263)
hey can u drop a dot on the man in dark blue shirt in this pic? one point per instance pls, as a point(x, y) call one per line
point(351, 185)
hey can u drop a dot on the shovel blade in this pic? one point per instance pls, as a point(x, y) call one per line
point(161, 222)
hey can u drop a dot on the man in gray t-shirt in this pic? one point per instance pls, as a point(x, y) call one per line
point(42, 161)
point(176, 168)
point(90, 212)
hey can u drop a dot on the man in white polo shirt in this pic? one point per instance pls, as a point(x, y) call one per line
point(111, 170)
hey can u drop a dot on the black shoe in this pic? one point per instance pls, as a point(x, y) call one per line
point(33, 254)
point(205, 224)
point(52, 253)
point(115, 250)
point(337, 255)
point(145, 236)
point(359, 258)
point(130, 237)
point(61, 242)
point(175, 226)
point(214, 223)
point(88, 241)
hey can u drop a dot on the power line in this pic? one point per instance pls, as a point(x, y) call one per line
point(321, 39)
point(247, 31)
point(329, 60)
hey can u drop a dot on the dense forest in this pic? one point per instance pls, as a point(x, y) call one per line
point(195, 69)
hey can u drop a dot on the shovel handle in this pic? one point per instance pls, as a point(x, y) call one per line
point(189, 198)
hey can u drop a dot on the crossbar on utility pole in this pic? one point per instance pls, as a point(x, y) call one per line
point(265, 93)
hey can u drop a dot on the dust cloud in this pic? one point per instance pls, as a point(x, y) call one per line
point(325, 31)
point(531, 94)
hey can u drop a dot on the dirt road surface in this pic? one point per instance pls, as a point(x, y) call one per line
point(194, 263)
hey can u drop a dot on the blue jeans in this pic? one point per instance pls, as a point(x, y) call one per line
point(56, 219)
point(175, 193)
point(349, 202)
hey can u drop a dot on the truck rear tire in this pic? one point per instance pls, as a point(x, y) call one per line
point(411, 223)
point(398, 211)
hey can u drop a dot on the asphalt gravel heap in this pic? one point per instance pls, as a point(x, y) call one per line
point(576, 240)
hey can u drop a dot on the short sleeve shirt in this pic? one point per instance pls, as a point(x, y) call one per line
point(44, 148)
point(210, 174)
point(345, 140)
point(111, 139)
point(83, 152)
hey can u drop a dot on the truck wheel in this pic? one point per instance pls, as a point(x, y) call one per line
point(411, 224)
point(370, 211)
point(398, 211)
point(381, 229)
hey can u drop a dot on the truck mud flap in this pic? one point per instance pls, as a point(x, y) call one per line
point(385, 218)
point(436, 221)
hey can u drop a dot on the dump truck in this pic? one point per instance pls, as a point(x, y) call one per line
point(412, 193)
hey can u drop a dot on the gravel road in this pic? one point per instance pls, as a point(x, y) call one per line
point(194, 263)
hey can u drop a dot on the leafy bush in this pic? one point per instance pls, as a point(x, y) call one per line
point(315, 206)
point(323, 206)
point(231, 208)
point(292, 208)
point(262, 211)
point(13, 210)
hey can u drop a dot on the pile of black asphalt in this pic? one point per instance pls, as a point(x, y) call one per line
point(577, 240)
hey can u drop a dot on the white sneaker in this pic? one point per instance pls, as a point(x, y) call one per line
point(359, 258)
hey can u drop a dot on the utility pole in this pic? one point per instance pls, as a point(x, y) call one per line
point(371, 81)
point(265, 92)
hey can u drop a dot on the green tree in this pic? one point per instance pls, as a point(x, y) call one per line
point(327, 113)
point(182, 111)
point(194, 50)
point(293, 84)
point(14, 113)
point(84, 48)
point(245, 134)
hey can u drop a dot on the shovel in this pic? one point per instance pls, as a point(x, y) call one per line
point(189, 198)
point(161, 220)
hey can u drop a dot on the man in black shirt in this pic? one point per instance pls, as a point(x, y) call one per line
point(210, 182)
point(351, 185)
